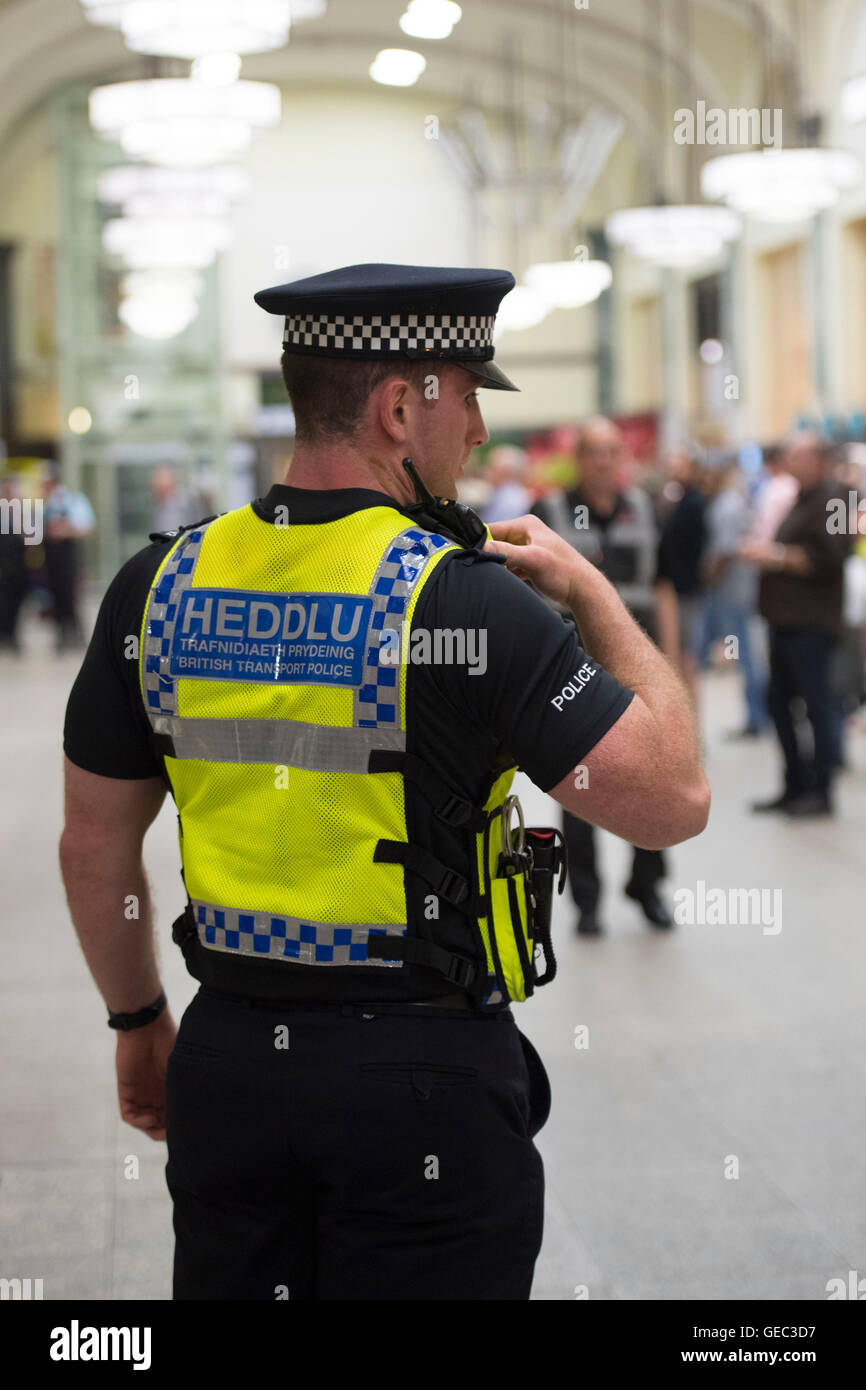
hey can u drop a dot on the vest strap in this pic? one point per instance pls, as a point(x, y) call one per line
point(414, 951)
point(450, 808)
point(448, 884)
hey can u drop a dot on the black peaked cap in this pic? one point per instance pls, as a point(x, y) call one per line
point(377, 312)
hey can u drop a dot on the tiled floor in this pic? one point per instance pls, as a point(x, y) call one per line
point(710, 1048)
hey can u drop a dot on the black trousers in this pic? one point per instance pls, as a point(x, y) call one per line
point(61, 570)
point(800, 659)
point(384, 1153)
point(648, 865)
point(14, 584)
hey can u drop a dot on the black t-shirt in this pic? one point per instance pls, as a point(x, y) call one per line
point(681, 547)
point(462, 724)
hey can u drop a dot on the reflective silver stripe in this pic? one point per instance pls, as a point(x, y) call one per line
point(277, 937)
point(313, 747)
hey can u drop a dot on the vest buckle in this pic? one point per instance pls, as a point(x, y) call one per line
point(453, 887)
point(455, 811)
point(460, 972)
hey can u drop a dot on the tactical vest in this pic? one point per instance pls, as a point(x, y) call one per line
point(630, 539)
point(272, 673)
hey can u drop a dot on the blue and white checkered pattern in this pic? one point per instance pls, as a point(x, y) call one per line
point(377, 702)
point(160, 689)
point(289, 938)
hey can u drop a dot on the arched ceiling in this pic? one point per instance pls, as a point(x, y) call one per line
point(612, 52)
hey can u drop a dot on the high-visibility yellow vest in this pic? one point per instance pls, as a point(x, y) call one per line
point(283, 732)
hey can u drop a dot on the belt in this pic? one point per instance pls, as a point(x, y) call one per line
point(448, 1001)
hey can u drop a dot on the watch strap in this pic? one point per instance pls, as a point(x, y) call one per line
point(126, 1022)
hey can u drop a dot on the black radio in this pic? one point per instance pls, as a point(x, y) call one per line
point(443, 513)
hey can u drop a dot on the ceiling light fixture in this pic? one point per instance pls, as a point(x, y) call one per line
point(217, 69)
point(124, 182)
point(569, 284)
point(191, 28)
point(675, 236)
point(430, 19)
point(397, 67)
point(780, 185)
point(176, 121)
point(165, 243)
point(521, 308)
point(159, 303)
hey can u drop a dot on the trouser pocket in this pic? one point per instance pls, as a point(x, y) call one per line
point(421, 1076)
point(539, 1086)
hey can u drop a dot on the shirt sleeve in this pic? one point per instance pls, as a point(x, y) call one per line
point(527, 681)
point(106, 729)
point(725, 528)
point(81, 513)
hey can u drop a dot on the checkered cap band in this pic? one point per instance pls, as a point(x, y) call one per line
point(443, 335)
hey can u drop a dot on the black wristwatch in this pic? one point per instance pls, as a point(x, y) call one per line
point(140, 1019)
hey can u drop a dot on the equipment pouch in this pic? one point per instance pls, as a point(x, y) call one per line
point(519, 892)
point(549, 858)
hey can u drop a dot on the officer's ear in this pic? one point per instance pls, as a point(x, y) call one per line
point(394, 408)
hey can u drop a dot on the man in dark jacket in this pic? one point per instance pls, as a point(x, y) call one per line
point(801, 598)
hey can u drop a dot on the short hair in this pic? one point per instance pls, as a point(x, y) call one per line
point(329, 394)
point(598, 424)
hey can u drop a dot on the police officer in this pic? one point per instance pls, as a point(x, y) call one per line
point(68, 518)
point(336, 683)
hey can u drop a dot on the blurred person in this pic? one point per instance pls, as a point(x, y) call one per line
point(14, 575)
point(679, 583)
point(800, 595)
point(848, 665)
point(67, 518)
point(775, 496)
point(614, 528)
point(731, 592)
point(506, 474)
point(858, 589)
point(847, 675)
point(171, 506)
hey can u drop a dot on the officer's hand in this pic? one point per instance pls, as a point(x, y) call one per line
point(141, 1058)
point(533, 551)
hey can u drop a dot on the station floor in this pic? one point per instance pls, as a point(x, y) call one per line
point(707, 1143)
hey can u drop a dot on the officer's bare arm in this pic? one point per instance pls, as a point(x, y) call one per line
point(100, 858)
point(643, 779)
